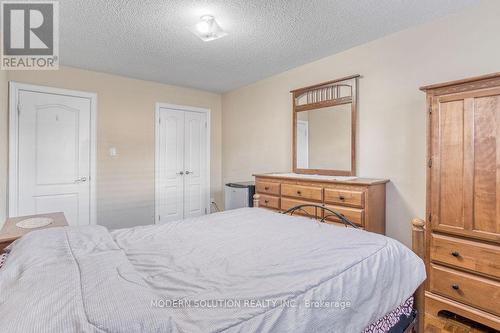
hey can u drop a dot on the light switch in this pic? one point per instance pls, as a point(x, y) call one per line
point(113, 152)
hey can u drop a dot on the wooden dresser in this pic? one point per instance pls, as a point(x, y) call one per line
point(361, 200)
point(463, 199)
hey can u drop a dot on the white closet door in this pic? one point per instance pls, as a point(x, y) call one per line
point(54, 155)
point(195, 139)
point(170, 173)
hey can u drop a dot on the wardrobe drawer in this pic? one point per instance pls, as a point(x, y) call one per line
point(289, 203)
point(466, 254)
point(267, 187)
point(356, 216)
point(345, 197)
point(269, 201)
point(466, 288)
point(302, 191)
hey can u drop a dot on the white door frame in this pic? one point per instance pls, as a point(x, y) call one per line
point(157, 152)
point(14, 88)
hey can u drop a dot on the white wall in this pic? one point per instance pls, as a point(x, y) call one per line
point(256, 120)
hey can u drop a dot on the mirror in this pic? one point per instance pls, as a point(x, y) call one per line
point(324, 138)
point(324, 128)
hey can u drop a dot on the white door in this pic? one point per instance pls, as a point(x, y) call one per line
point(302, 144)
point(54, 155)
point(170, 173)
point(195, 164)
point(181, 165)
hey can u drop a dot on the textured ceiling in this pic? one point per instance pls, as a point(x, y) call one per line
point(150, 39)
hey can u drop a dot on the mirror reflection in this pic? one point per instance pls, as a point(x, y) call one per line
point(324, 138)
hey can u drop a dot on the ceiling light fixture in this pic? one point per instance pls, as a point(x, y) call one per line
point(208, 29)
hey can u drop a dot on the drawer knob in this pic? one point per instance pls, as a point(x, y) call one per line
point(299, 193)
point(342, 198)
point(266, 201)
point(455, 254)
point(266, 188)
point(455, 286)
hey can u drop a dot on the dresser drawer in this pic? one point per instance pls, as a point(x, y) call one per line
point(466, 288)
point(269, 201)
point(302, 191)
point(356, 216)
point(289, 203)
point(267, 187)
point(345, 197)
point(466, 254)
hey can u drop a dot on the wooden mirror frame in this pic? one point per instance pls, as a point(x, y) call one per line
point(324, 95)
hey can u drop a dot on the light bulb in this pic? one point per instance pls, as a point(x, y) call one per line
point(208, 29)
point(203, 27)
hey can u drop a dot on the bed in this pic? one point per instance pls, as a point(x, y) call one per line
point(245, 270)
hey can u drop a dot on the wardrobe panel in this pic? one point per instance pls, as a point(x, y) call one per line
point(451, 171)
point(486, 164)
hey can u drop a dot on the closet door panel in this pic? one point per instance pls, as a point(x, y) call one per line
point(195, 200)
point(171, 164)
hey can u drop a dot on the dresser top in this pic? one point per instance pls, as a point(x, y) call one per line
point(323, 179)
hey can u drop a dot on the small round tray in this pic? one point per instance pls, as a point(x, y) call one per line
point(35, 222)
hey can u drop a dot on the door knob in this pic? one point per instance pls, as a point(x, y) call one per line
point(81, 180)
point(180, 173)
point(189, 172)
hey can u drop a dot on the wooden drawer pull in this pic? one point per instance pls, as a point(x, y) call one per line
point(455, 286)
point(342, 198)
point(299, 193)
point(456, 254)
point(266, 188)
point(266, 201)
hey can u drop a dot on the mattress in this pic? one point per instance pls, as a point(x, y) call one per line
point(244, 270)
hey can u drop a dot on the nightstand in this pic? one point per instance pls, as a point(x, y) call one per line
point(10, 232)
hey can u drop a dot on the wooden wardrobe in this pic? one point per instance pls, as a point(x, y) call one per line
point(463, 199)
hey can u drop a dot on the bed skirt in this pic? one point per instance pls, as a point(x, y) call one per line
point(395, 321)
point(3, 256)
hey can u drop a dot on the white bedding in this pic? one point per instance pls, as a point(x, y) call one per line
point(86, 279)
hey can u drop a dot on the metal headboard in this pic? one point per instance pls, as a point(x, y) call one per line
point(341, 217)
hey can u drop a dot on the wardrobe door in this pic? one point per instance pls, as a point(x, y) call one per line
point(465, 164)
point(486, 168)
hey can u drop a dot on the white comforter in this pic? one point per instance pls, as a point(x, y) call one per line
point(246, 270)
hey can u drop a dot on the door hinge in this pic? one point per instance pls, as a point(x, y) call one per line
point(430, 109)
point(430, 217)
point(429, 163)
point(159, 120)
point(205, 210)
point(159, 218)
point(205, 124)
point(18, 108)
